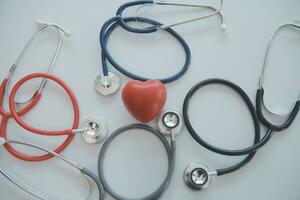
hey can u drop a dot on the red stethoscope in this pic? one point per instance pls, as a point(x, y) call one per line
point(91, 130)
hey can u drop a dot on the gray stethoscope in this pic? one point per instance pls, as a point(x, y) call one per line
point(84, 171)
point(108, 82)
point(169, 123)
point(92, 130)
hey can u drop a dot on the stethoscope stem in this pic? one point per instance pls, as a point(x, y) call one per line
point(83, 170)
point(21, 186)
point(44, 26)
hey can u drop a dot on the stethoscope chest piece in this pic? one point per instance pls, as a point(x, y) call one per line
point(197, 176)
point(169, 121)
point(107, 85)
point(94, 131)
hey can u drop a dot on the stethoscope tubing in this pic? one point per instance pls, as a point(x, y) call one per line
point(266, 122)
point(260, 105)
point(83, 170)
point(24, 110)
point(170, 149)
point(105, 33)
point(37, 130)
point(250, 150)
point(122, 22)
point(251, 108)
point(17, 116)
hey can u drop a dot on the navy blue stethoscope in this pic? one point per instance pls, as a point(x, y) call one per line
point(108, 82)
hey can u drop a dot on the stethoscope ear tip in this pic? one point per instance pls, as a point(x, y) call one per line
point(224, 27)
point(40, 23)
point(68, 34)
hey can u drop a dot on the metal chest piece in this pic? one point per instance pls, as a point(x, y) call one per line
point(169, 121)
point(93, 131)
point(107, 85)
point(197, 176)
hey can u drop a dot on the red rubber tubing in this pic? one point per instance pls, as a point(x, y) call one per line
point(22, 112)
point(25, 157)
point(25, 125)
point(6, 116)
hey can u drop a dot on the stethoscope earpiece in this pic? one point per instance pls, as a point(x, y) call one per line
point(107, 85)
point(41, 24)
point(224, 27)
point(169, 121)
point(93, 131)
point(197, 176)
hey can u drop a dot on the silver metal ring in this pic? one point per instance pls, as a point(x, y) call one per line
point(197, 176)
point(169, 121)
point(107, 85)
point(93, 131)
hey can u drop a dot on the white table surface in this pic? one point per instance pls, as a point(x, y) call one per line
point(136, 162)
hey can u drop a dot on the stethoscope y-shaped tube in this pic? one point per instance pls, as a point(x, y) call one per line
point(44, 26)
point(170, 149)
point(260, 92)
point(83, 170)
point(217, 11)
point(16, 116)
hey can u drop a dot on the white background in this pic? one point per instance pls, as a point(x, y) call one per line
point(136, 162)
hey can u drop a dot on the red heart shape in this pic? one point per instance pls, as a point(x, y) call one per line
point(144, 100)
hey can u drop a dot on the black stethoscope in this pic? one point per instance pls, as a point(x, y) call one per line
point(260, 105)
point(108, 82)
point(197, 175)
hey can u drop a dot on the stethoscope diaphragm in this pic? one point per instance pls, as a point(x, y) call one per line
point(93, 131)
point(169, 121)
point(107, 85)
point(197, 176)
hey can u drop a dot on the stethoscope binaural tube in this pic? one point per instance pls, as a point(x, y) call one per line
point(43, 27)
point(83, 170)
point(260, 105)
point(170, 149)
point(155, 27)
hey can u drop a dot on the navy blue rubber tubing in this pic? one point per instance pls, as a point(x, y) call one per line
point(129, 28)
point(105, 33)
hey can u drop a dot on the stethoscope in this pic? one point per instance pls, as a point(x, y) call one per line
point(84, 171)
point(91, 130)
point(197, 175)
point(169, 123)
point(108, 82)
point(260, 105)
